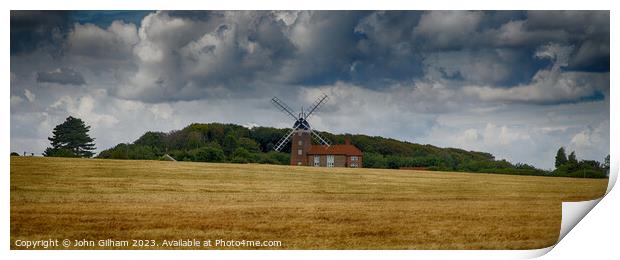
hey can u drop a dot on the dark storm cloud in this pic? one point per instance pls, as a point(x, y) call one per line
point(35, 29)
point(105, 18)
point(588, 30)
point(185, 55)
point(65, 76)
point(386, 50)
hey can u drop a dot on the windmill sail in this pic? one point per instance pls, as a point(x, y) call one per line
point(318, 136)
point(283, 141)
point(283, 107)
point(301, 124)
point(317, 103)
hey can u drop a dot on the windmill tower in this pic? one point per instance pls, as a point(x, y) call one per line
point(301, 133)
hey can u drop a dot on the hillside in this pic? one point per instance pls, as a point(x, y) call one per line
point(215, 142)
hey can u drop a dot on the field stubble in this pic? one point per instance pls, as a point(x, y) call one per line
point(304, 207)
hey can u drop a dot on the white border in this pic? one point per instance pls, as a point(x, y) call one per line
point(595, 235)
point(311, 5)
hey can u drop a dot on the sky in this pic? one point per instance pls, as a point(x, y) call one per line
point(517, 84)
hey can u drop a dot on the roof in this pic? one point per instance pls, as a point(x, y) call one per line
point(340, 149)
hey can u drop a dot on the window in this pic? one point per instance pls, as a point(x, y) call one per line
point(330, 161)
point(317, 161)
point(299, 163)
point(353, 158)
point(299, 152)
point(300, 142)
point(353, 165)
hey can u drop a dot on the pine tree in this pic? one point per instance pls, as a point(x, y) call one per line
point(71, 139)
point(560, 157)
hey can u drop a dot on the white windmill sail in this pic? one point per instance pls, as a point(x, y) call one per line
point(301, 122)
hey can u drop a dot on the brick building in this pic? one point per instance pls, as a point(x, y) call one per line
point(303, 152)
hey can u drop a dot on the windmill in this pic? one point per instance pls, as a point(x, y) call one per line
point(301, 133)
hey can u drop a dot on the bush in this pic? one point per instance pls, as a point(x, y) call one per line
point(131, 151)
point(278, 157)
point(374, 160)
point(241, 155)
point(179, 155)
point(248, 144)
point(264, 159)
point(59, 152)
point(141, 152)
point(207, 154)
point(579, 171)
point(239, 160)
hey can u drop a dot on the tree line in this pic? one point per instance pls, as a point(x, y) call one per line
point(216, 142)
point(570, 166)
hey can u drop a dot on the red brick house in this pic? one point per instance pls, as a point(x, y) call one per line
point(304, 153)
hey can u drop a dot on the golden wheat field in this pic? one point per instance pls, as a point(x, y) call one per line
point(302, 207)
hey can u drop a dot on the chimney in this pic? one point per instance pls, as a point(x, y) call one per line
point(347, 140)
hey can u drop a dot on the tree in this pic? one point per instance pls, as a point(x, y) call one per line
point(560, 157)
point(208, 154)
point(573, 163)
point(606, 162)
point(374, 160)
point(194, 140)
point(572, 158)
point(241, 155)
point(71, 139)
point(152, 139)
point(229, 144)
point(277, 158)
point(249, 144)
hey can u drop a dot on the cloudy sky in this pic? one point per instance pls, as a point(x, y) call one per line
point(515, 84)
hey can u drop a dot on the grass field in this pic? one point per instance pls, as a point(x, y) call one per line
point(303, 207)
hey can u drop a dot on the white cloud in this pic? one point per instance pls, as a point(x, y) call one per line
point(162, 111)
point(559, 54)
point(227, 50)
point(114, 42)
point(250, 125)
point(61, 76)
point(503, 135)
point(515, 33)
point(448, 28)
point(29, 95)
point(582, 139)
point(470, 135)
point(477, 67)
point(16, 100)
point(83, 107)
point(548, 85)
point(590, 137)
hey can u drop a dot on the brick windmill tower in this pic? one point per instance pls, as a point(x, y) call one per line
point(301, 133)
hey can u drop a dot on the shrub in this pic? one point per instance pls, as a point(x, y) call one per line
point(207, 154)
